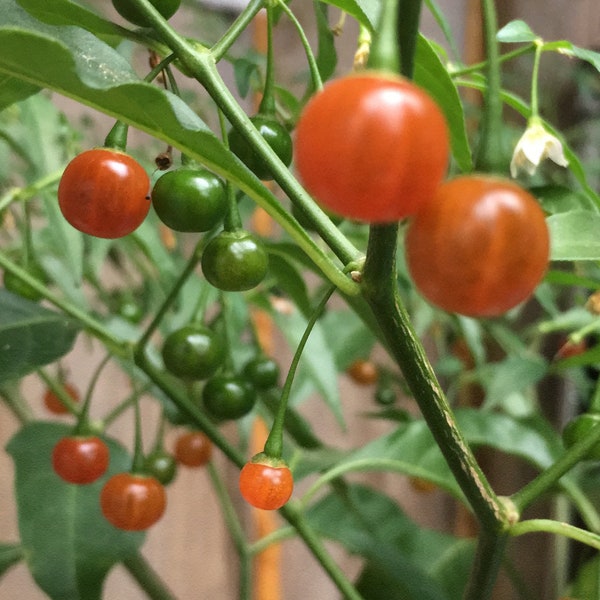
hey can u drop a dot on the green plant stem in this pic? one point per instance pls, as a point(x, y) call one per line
point(267, 103)
point(117, 136)
point(375, 464)
point(116, 412)
point(177, 393)
point(14, 400)
point(203, 66)
point(108, 338)
point(558, 528)
point(480, 66)
point(315, 76)
point(275, 537)
point(550, 476)
point(172, 296)
point(233, 219)
point(380, 291)
point(294, 515)
point(235, 529)
point(488, 559)
point(60, 391)
point(535, 105)
point(274, 443)
point(384, 52)
point(29, 191)
point(83, 425)
point(242, 21)
point(147, 578)
point(489, 153)
point(582, 504)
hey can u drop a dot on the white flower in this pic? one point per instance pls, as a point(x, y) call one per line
point(535, 145)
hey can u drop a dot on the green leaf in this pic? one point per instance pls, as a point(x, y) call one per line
point(574, 235)
point(366, 12)
point(30, 336)
point(12, 90)
point(507, 380)
point(69, 546)
point(582, 53)
point(288, 279)
point(405, 561)
point(516, 31)
point(431, 74)
point(65, 12)
point(412, 450)
point(10, 554)
point(347, 336)
point(326, 54)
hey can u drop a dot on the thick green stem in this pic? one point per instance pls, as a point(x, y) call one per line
point(488, 559)
point(147, 578)
point(380, 291)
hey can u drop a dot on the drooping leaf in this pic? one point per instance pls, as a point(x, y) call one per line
point(69, 546)
point(30, 336)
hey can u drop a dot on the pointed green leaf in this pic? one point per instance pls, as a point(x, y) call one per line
point(516, 31)
point(432, 75)
point(69, 546)
point(30, 336)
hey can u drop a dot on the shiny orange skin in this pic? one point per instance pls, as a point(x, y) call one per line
point(371, 147)
point(193, 449)
point(133, 502)
point(479, 248)
point(54, 405)
point(80, 460)
point(104, 193)
point(265, 486)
